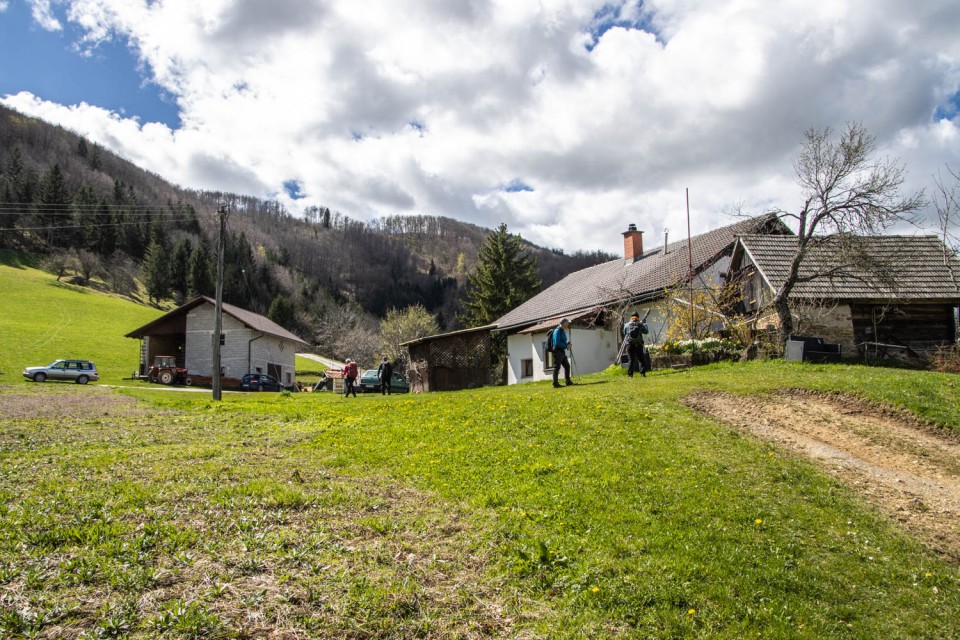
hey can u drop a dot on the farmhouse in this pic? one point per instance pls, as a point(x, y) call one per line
point(597, 299)
point(900, 298)
point(250, 343)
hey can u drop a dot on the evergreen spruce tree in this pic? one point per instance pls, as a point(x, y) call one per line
point(282, 311)
point(54, 206)
point(85, 217)
point(106, 229)
point(199, 273)
point(156, 272)
point(506, 276)
point(180, 268)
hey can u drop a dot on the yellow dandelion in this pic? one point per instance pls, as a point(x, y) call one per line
point(758, 521)
point(692, 612)
point(595, 589)
point(929, 575)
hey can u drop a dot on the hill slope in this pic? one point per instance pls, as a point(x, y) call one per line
point(43, 320)
point(60, 192)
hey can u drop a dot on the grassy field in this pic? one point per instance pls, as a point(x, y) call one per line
point(43, 320)
point(603, 510)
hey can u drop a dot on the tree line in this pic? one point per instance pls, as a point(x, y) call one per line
point(332, 279)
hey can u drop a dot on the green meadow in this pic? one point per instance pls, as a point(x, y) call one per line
point(43, 320)
point(604, 510)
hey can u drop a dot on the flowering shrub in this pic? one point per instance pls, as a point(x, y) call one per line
point(690, 346)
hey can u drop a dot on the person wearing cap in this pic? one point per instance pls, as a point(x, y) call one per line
point(349, 377)
point(633, 332)
point(560, 345)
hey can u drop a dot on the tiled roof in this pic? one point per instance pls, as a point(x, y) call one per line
point(647, 276)
point(247, 318)
point(913, 266)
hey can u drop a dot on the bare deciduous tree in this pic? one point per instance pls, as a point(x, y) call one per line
point(848, 193)
point(346, 331)
point(88, 265)
point(60, 264)
point(946, 199)
point(121, 273)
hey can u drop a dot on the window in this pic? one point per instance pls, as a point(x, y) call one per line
point(223, 339)
point(526, 368)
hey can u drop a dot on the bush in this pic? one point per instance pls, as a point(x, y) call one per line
point(947, 359)
point(674, 347)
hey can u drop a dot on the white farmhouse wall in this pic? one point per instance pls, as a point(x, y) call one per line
point(593, 350)
point(243, 350)
point(199, 347)
point(272, 350)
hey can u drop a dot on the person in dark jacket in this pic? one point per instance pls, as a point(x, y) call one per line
point(633, 332)
point(561, 342)
point(384, 375)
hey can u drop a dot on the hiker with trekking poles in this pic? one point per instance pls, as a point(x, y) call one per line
point(558, 343)
point(633, 341)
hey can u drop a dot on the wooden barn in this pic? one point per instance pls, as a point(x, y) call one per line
point(450, 361)
point(910, 310)
point(250, 343)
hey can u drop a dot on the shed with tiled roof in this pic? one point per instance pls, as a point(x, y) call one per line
point(899, 291)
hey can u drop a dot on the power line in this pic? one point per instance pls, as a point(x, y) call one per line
point(57, 227)
point(72, 209)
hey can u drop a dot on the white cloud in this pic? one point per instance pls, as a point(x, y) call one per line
point(432, 106)
point(42, 13)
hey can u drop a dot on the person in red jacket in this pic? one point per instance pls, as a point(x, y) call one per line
point(349, 378)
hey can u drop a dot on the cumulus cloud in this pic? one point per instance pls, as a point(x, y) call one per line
point(605, 112)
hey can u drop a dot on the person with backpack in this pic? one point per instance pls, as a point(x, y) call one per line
point(558, 343)
point(633, 332)
point(384, 374)
point(349, 378)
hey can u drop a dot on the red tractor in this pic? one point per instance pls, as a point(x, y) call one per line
point(166, 371)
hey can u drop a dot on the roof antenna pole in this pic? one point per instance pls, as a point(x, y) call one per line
point(690, 273)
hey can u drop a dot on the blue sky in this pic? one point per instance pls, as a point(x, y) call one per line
point(565, 119)
point(106, 75)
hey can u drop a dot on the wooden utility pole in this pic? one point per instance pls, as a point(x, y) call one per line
point(693, 321)
point(223, 212)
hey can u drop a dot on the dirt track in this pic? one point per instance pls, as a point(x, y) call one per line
point(906, 470)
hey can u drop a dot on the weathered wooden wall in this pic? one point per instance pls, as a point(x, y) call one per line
point(921, 327)
point(449, 363)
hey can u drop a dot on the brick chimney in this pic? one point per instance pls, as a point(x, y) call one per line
point(632, 243)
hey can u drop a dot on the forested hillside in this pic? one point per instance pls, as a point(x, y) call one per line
point(96, 218)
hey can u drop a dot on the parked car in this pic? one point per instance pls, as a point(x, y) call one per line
point(79, 371)
point(370, 383)
point(260, 382)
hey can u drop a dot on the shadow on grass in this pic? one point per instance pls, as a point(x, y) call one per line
point(69, 287)
point(17, 259)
